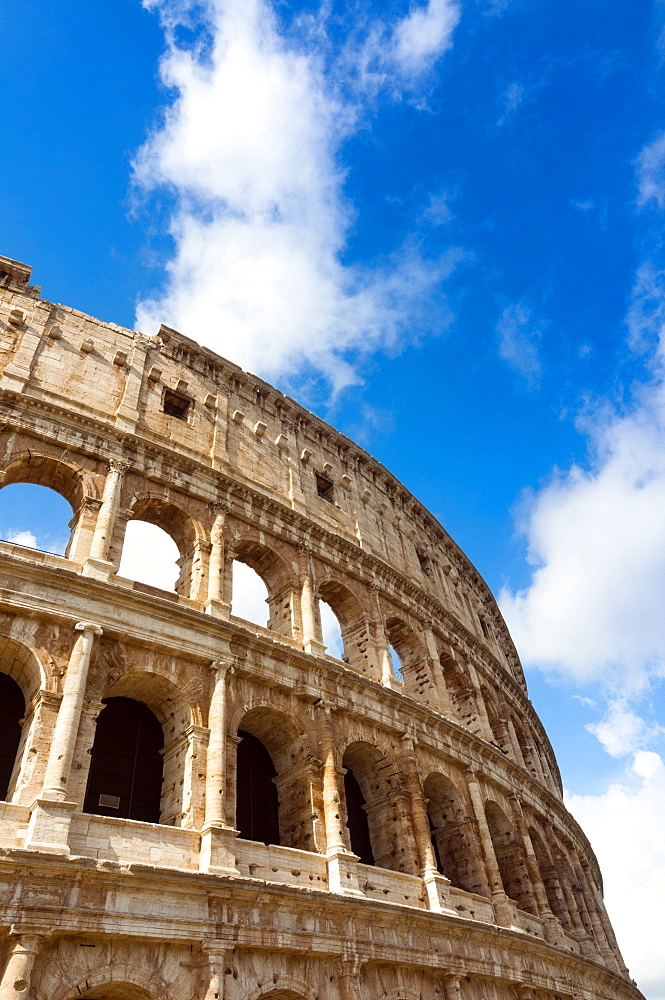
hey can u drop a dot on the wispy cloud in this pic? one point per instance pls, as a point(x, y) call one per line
point(519, 339)
point(249, 150)
point(650, 173)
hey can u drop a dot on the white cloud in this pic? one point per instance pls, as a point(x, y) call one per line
point(650, 171)
point(250, 150)
point(422, 36)
point(622, 731)
point(23, 538)
point(626, 826)
point(149, 555)
point(249, 595)
point(596, 539)
point(518, 342)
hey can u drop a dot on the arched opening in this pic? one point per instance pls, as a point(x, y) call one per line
point(398, 673)
point(461, 693)
point(150, 556)
point(454, 836)
point(178, 543)
point(510, 858)
point(249, 596)
point(414, 665)
point(550, 879)
point(113, 991)
point(36, 517)
point(379, 783)
point(271, 779)
point(356, 820)
point(12, 710)
point(257, 804)
point(496, 716)
point(126, 768)
point(331, 631)
point(275, 586)
point(345, 627)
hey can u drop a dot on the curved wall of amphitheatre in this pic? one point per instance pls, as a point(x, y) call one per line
point(475, 882)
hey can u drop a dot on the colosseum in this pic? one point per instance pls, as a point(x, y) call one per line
point(197, 807)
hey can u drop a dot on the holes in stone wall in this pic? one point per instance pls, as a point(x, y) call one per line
point(325, 488)
point(176, 405)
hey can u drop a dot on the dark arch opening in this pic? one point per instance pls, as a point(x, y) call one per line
point(12, 710)
point(356, 820)
point(257, 803)
point(126, 769)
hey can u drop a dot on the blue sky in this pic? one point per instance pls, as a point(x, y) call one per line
point(439, 225)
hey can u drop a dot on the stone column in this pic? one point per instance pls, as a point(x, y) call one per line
point(480, 702)
point(596, 910)
point(216, 836)
point(349, 977)
point(451, 986)
point(436, 884)
point(216, 955)
point(388, 678)
point(15, 982)
point(48, 829)
point(551, 925)
point(312, 639)
point(435, 667)
point(97, 564)
point(341, 862)
point(216, 603)
point(503, 908)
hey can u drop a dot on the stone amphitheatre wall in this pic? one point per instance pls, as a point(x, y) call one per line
point(482, 885)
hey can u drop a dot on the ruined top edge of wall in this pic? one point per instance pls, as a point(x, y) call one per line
point(184, 352)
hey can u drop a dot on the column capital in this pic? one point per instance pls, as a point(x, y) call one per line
point(221, 666)
point(118, 465)
point(89, 627)
point(218, 507)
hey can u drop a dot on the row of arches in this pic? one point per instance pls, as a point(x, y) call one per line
point(262, 587)
point(132, 774)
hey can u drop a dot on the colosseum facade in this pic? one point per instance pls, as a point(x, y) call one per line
point(196, 807)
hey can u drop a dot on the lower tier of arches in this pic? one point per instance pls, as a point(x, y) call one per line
point(122, 934)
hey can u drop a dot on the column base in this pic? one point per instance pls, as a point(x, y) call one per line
point(343, 873)
point(218, 609)
point(438, 896)
point(217, 850)
point(314, 647)
point(98, 569)
point(504, 911)
point(13, 381)
point(48, 828)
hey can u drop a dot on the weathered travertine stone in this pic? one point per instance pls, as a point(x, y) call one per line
point(482, 886)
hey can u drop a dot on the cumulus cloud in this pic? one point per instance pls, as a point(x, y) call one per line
point(149, 555)
point(23, 538)
point(249, 151)
point(626, 826)
point(519, 339)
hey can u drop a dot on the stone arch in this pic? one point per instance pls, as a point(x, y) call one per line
point(68, 480)
point(117, 982)
point(58, 474)
point(497, 717)
point(278, 579)
point(550, 879)
point(185, 530)
point(20, 663)
point(385, 803)
point(461, 693)
point(176, 716)
point(286, 989)
point(454, 835)
point(286, 743)
point(413, 657)
point(510, 857)
point(353, 623)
